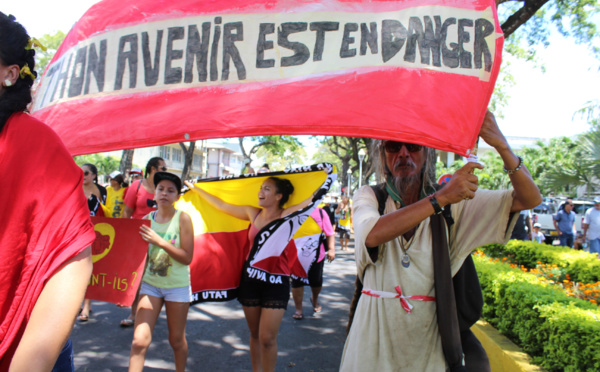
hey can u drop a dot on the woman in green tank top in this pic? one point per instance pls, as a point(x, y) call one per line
point(167, 275)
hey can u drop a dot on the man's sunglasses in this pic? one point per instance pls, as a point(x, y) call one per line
point(393, 147)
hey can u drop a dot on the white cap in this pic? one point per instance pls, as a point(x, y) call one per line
point(537, 224)
point(114, 174)
point(137, 170)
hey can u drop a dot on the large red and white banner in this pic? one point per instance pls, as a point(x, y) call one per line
point(151, 72)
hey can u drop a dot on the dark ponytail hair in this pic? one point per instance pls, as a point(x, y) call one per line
point(93, 169)
point(283, 187)
point(13, 40)
point(154, 162)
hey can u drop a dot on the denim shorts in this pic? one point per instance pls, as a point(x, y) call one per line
point(64, 363)
point(180, 294)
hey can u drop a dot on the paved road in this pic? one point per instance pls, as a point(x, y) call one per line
point(218, 337)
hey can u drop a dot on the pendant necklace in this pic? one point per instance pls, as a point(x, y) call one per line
point(405, 257)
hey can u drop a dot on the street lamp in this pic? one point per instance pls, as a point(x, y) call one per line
point(361, 157)
point(349, 178)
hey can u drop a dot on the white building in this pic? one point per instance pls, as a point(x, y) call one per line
point(224, 159)
point(212, 158)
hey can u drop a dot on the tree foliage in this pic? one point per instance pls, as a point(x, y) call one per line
point(105, 164)
point(51, 42)
point(272, 145)
point(346, 150)
point(289, 159)
point(531, 21)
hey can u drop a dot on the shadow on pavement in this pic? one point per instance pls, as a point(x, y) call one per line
point(218, 337)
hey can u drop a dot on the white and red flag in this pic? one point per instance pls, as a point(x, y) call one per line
point(149, 72)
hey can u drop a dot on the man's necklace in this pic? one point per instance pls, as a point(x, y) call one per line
point(405, 257)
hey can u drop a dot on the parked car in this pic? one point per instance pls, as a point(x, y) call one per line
point(545, 212)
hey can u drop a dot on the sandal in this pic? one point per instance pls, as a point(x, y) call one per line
point(298, 316)
point(316, 309)
point(125, 323)
point(83, 318)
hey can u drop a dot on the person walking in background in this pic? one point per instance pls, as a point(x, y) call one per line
point(315, 273)
point(166, 278)
point(96, 197)
point(538, 235)
point(564, 223)
point(591, 227)
point(344, 210)
point(139, 201)
point(116, 195)
point(94, 192)
point(135, 174)
point(523, 228)
point(247, 167)
point(264, 168)
point(45, 228)
point(336, 215)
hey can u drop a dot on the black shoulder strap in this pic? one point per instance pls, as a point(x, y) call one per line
point(447, 316)
point(381, 195)
point(447, 211)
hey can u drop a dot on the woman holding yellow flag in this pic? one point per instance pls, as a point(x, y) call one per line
point(264, 302)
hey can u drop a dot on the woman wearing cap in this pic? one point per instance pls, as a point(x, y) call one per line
point(135, 174)
point(45, 232)
point(264, 303)
point(139, 201)
point(115, 195)
point(166, 278)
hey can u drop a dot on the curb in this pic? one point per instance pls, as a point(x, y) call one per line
point(504, 355)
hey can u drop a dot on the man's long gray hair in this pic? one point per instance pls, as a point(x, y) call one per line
point(426, 178)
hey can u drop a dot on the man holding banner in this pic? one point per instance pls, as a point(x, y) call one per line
point(395, 326)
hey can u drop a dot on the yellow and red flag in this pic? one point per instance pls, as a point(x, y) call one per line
point(222, 252)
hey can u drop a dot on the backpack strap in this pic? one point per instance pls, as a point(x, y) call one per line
point(381, 195)
point(447, 316)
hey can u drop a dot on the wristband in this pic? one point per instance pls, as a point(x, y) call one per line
point(511, 171)
point(436, 206)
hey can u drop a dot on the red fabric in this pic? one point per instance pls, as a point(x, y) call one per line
point(218, 260)
point(44, 220)
point(418, 103)
point(137, 199)
point(119, 254)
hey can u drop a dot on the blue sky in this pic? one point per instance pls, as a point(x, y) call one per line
point(540, 105)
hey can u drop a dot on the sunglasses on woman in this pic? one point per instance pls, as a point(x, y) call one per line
point(86, 173)
point(393, 147)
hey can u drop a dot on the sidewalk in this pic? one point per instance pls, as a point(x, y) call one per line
point(218, 337)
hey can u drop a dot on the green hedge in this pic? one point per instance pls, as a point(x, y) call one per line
point(581, 266)
point(560, 333)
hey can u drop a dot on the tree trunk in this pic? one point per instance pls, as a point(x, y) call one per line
point(188, 153)
point(126, 162)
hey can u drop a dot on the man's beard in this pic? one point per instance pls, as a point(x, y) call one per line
point(408, 186)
